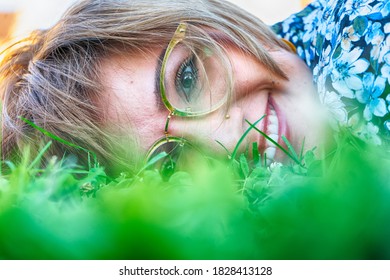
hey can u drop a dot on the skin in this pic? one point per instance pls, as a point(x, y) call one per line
point(129, 101)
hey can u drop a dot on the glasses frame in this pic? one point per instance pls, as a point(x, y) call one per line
point(164, 140)
point(177, 37)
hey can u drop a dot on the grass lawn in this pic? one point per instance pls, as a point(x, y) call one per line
point(336, 206)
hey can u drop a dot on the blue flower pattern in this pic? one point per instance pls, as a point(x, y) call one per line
point(346, 43)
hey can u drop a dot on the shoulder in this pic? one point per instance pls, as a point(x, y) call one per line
point(352, 70)
point(347, 46)
point(301, 28)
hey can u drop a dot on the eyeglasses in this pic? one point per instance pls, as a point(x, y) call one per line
point(194, 81)
point(193, 73)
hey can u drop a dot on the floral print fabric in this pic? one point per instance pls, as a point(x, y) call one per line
point(346, 44)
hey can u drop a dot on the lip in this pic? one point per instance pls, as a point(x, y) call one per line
point(282, 127)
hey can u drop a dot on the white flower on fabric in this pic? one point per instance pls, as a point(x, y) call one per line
point(373, 88)
point(309, 54)
point(295, 40)
point(300, 51)
point(365, 131)
point(374, 34)
point(326, 55)
point(377, 106)
point(354, 121)
point(369, 133)
point(323, 62)
point(345, 72)
point(386, 28)
point(357, 8)
point(335, 106)
point(330, 26)
point(387, 125)
point(379, 51)
point(385, 71)
point(348, 36)
point(287, 24)
point(382, 7)
point(321, 79)
point(388, 102)
point(311, 23)
point(376, 37)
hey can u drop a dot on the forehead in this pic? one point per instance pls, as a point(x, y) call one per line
point(128, 82)
point(129, 68)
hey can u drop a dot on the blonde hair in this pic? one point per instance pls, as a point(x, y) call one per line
point(52, 77)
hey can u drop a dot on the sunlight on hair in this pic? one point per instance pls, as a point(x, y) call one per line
point(42, 14)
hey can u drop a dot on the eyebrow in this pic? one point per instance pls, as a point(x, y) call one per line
point(157, 79)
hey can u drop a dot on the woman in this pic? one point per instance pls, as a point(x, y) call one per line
point(114, 77)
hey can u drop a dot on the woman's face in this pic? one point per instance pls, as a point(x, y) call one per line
point(132, 101)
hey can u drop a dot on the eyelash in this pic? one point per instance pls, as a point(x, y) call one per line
point(190, 61)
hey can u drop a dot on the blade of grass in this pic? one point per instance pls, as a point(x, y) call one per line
point(89, 161)
point(10, 165)
point(152, 161)
point(40, 155)
point(252, 126)
point(59, 139)
point(302, 149)
point(223, 147)
point(273, 141)
point(255, 153)
point(244, 165)
point(290, 148)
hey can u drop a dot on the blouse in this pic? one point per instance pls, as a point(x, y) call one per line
point(346, 44)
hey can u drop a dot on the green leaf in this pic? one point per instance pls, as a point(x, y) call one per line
point(360, 24)
point(337, 52)
point(244, 165)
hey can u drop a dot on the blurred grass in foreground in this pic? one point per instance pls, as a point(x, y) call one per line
point(332, 208)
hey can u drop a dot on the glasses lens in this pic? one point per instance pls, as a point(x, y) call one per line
point(172, 155)
point(196, 74)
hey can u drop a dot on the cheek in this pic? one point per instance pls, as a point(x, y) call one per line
point(149, 130)
point(299, 75)
point(207, 131)
point(146, 127)
point(298, 101)
point(140, 122)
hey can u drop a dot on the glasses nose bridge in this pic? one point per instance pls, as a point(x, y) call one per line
point(166, 127)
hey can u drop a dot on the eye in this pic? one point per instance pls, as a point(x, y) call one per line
point(187, 79)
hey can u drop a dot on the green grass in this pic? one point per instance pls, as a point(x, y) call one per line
point(331, 207)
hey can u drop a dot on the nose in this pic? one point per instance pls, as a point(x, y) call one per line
point(249, 75)
point(251, 86)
